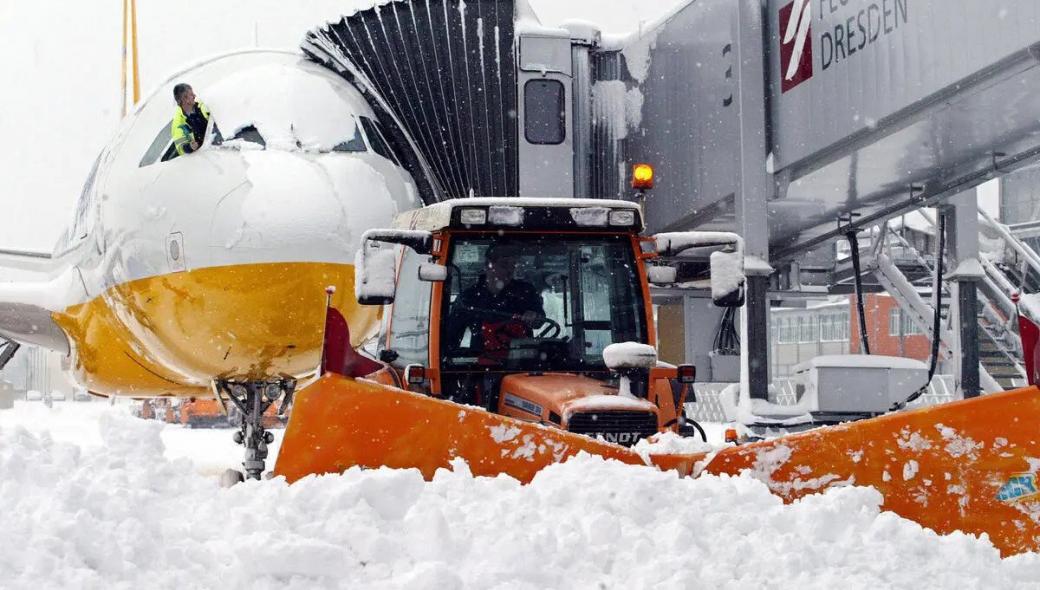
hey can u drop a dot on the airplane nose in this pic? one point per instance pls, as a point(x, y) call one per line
point(286, 201)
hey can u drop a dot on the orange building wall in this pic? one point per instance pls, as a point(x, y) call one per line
point(876, 309)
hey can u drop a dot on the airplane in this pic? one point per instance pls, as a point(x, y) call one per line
point(205, 274)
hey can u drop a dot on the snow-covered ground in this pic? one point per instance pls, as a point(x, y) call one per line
point(94, 498)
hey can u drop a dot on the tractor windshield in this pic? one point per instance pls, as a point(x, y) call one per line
point(540, 303)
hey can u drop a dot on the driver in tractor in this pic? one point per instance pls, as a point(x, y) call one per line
point(496, 310)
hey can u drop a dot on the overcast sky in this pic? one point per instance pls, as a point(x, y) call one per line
point(60, 66)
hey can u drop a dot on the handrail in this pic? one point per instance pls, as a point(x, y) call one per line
point(909, 299)
point(997, 283)
point(1024, 251)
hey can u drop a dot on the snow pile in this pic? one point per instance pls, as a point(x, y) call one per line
point(375, 271)
point(293, 106)
point(123, 515)
point(630, 355)
point(590, 216)
point(1029, 306)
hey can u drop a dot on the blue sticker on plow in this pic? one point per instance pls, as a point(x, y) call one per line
point(1018, 487)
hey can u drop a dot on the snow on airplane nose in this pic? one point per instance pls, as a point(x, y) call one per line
point(305, 208)
point(216, 262)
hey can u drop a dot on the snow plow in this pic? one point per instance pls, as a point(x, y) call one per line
point(511, 387)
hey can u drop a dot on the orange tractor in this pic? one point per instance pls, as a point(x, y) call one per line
point(514, 306)
point(519, 332)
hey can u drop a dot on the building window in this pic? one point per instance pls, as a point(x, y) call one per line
point(834, 327)
point(807, 329)
point(785, 330)
point(544, 112)
point(909, 328)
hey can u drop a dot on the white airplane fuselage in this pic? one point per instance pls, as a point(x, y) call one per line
point(214, 264)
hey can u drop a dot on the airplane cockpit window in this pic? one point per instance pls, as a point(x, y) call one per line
point(354, 144)
point(163, 146)
point(376, 140)
point(249, 133)
point(158, 147)
point(83, 222)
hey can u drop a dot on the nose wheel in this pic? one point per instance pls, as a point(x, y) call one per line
point(252, 399)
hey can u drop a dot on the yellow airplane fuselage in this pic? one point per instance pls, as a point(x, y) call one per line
point(173, 334)
point(179, 271)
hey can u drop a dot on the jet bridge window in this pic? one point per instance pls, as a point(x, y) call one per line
point(544, 112)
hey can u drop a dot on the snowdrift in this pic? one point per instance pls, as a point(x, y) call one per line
point(124, 515)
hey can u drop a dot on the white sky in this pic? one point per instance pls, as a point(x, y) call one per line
point(61, 68)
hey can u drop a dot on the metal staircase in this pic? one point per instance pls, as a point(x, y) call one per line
point(1000, 349)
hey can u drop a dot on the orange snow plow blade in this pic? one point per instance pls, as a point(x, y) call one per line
point(969, 466)
point(338, 422)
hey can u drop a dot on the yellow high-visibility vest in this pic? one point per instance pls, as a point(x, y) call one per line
point(181, 131)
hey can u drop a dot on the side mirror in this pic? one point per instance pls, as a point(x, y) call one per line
point(433, 273)
point(686, 374)
point(415, 375)
point(375, 273)
point(727, 265)
point(661, 275)
point(727, 278)
point(375, 264)
point(632, 361)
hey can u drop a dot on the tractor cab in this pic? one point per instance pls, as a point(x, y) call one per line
point(520, 306)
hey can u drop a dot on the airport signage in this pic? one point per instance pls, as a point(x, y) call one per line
point(844, 27)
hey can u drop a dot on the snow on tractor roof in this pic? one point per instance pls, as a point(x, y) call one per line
point(525, 213)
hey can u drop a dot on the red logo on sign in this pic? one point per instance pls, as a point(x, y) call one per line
point(796, 63)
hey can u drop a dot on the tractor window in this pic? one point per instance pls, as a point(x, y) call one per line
point(410, 318)
point(586, 289)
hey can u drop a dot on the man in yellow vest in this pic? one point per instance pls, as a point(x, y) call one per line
point(188, 127)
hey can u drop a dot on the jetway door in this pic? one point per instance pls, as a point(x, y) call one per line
point(546, 117)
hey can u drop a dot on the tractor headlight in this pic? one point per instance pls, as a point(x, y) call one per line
point(473, 216)
point(622, 217)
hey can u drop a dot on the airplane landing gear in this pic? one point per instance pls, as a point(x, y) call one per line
point(253, 398)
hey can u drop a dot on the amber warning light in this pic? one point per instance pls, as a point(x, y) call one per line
point(642, 176)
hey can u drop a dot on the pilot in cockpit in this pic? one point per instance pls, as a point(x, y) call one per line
point(188, 127)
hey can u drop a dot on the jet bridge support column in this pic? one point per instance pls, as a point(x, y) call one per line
point(962, 227)
point(754, 188)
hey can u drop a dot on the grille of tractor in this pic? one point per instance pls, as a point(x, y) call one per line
point(623, 428)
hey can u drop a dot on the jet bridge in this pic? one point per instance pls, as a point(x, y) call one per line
point(771, 118)
point(871, 107)
point(775, 118)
